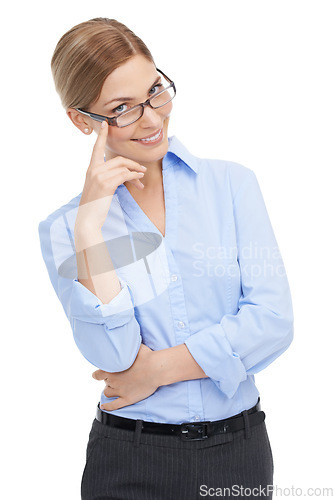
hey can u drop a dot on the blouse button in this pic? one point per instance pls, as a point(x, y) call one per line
point(180, 324)
point(173, 277)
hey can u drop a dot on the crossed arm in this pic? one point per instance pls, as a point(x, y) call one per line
point(150, 370)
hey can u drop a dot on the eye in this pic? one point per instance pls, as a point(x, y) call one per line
point(120, 109)
point(156, 89)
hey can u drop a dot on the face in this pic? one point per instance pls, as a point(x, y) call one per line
point(138, 80)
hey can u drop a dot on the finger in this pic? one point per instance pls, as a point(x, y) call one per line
point(137, 184)
point(111, 179)
point(114, 405)
point(121, 161)
point(110, 170)
point(109, 392)
point(99, 375)
point(100, 145)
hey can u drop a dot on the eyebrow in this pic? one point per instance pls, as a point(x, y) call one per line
point(130, 98)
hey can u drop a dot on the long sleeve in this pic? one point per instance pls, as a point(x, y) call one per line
point(244, 343)
point(107, 335)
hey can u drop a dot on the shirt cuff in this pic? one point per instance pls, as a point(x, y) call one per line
point(85, 306)
point(212, 351)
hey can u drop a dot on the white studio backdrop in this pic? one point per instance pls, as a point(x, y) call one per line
point(254, 85)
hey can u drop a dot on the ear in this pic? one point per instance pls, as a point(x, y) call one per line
point(82, 122)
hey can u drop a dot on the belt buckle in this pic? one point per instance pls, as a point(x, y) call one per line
point(194, 432)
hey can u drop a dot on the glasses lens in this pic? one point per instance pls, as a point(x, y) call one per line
point(157, 101)
point(163, 97)
point(131, 116)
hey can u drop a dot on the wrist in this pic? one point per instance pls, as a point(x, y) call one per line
point(86, 236)
point(159, 367)
point(85, 229)
point(175, 364)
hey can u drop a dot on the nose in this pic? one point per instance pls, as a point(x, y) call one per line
point(151, 117)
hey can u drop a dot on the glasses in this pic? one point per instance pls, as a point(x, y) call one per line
point(133, 114)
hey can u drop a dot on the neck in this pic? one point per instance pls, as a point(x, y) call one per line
point(153, 174)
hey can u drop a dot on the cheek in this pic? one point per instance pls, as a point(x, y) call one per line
point(167, 109)
point(117, 135)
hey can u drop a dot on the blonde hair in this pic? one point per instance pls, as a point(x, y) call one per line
point(85, 56)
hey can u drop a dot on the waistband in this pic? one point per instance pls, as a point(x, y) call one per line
point(193, 431)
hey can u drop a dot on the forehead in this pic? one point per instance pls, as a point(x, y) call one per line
point(133, 78)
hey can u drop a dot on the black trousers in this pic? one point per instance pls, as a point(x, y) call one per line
point(125, 465)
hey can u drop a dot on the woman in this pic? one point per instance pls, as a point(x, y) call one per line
point(168, 270)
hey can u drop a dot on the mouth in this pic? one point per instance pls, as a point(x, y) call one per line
point(151, 139)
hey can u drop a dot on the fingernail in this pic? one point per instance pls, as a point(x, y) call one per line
point(103, 124)
point(102, 407)
point(142, 166)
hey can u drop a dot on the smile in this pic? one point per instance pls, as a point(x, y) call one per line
point(151, 139)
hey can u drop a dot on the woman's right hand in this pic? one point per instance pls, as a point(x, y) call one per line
point(102, 180)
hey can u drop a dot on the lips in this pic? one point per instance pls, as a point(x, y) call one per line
point(150, 138)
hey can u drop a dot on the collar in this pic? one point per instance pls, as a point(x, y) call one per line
point(177, 151)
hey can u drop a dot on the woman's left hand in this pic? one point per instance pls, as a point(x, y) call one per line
point(132, 385)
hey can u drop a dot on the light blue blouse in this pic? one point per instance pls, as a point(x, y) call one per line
point(215, 282)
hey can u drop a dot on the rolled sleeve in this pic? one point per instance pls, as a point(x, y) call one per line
point(85, 306)
point(212, 351)
point(107, 335)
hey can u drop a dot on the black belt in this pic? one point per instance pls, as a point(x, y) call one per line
point(187, 430)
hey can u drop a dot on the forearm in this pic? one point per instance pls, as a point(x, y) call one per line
point(175, 364)
point(150, 370)
point(95, 268)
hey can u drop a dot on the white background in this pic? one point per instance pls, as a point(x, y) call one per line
point(254, 85)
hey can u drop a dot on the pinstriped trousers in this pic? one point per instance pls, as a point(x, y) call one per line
point(129, 465)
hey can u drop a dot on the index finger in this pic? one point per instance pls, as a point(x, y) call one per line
point(100, 145)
